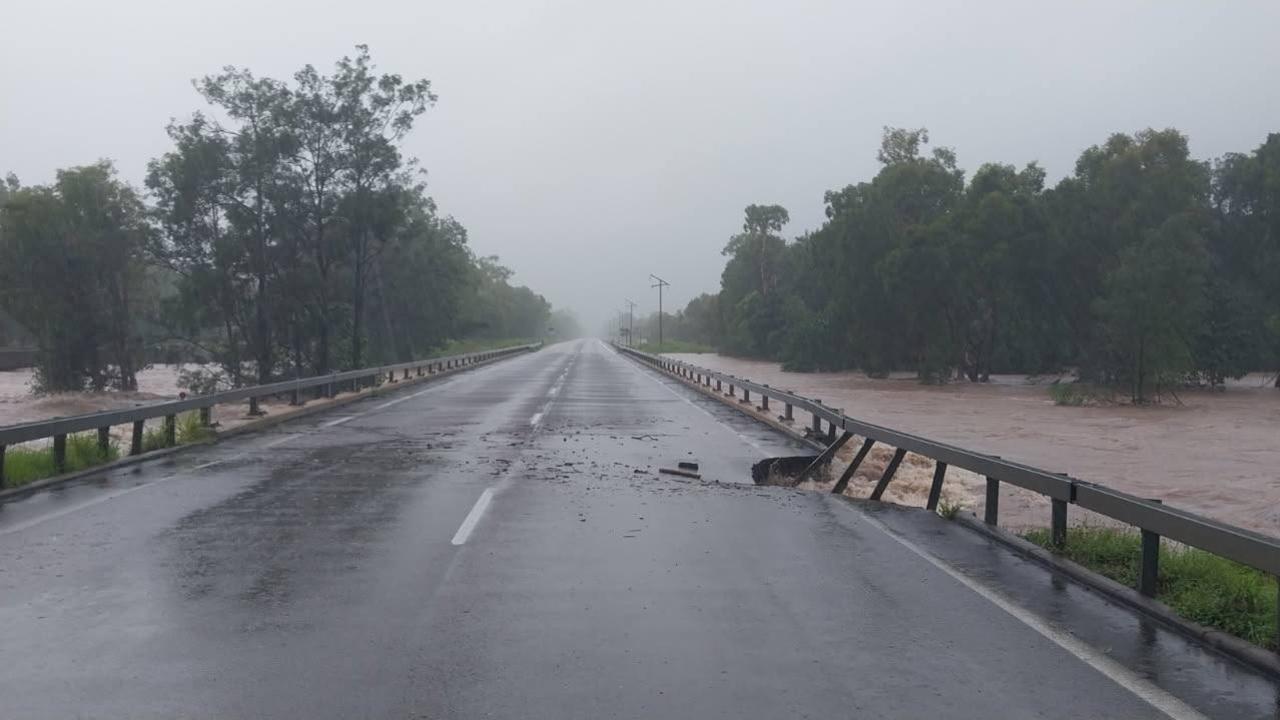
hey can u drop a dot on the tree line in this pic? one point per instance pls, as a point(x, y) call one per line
point(1145, 269)
point(284, 233)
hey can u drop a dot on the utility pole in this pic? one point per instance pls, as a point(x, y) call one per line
point(660, 284)
point(631, 322)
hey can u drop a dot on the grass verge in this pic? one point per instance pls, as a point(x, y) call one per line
point(27, 465)
point(1199, 586)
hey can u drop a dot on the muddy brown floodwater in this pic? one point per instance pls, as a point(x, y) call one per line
point(1217, 454)
point(155, 384)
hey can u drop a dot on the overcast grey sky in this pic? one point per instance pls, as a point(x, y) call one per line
point(590, 143)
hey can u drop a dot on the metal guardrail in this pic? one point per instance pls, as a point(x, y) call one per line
point(326, 385)
point(1152, 518)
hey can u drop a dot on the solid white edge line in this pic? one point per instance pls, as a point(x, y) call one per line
point(75, 508)
point(281, 441)
point(338, 421)
point(536, 417)
point(1094, 658)
point(386, 405)
point(473, 517)
point(1117, 673)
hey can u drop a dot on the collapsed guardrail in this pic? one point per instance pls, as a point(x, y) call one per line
point(1152, 518)
point(325, 386)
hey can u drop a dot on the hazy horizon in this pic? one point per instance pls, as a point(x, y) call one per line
point(589, 146)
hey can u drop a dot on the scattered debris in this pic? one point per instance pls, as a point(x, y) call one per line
point(686, 465)
point(681, 473)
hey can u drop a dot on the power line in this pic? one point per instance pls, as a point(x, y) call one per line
point(631, 322)
point(660, 284)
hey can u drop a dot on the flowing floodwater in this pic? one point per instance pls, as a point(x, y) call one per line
point(156, 383)
point(18, 404)
point(1217, 454)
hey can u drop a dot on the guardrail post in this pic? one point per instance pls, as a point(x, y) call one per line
point(60, 453)
point(170, 430)
point(733, 392)
point(717, 384)
point(831, 432)
point(253, 406)
point(824, 457)
point(206, 416)
point(991, 511)
point(889, 471)
point(104, 441)
point(746, 396)
point(788, 414)
point(817, 424)
point(391, 376)
point(2, 467)
point(764, 403)
point(935, 490)
point(295, 398)
point(1059, 520)
point(1149, 574)
point(419, 370)
point(843, 482)
point(135, 441)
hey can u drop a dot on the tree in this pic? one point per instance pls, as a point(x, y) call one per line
point(220, 202)
point(760, 241)
point(374, 113)
point(1152, 306)
point(71, 263)
point(1246, 198)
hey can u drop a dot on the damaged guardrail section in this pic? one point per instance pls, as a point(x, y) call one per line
point(1152, 518)
point(321, 385)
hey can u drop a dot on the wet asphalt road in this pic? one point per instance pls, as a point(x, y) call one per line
point(498, 544)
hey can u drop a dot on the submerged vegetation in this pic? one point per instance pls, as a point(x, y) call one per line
point(1145, 269)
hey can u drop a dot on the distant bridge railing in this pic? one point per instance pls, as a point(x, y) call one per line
point(1152, 518)
point(321, 385)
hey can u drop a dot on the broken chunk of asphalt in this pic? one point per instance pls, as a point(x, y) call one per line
point(681, 473)
point(784, 471)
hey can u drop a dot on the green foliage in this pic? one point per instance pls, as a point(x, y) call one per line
point(1144, 269)
point(1200, 586)
point(1071, 394)
point(949, 510)
point(71, 270)
point(155, 438)
point(189, 430)
point(1151, 307)
point(496, 309)
point(23, 465)
point(302, 239)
